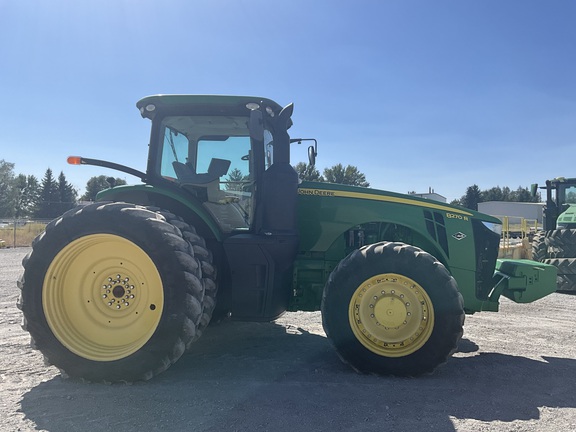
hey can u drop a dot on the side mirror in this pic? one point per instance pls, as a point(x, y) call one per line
point(256, 125)
point(312, 150)
point(534, 189)
point(311, 156)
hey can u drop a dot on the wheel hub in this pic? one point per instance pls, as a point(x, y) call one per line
point(389, 310)
point(391, 315)
point(118, 292)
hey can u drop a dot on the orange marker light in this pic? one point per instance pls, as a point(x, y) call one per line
point(74, 160)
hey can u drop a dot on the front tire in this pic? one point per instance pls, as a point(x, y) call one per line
point(392, 309)
point(114, 292)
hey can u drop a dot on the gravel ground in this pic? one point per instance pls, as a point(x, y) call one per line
point(515, 371)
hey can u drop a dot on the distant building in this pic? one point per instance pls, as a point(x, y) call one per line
point(431, 195)
point(529, 211)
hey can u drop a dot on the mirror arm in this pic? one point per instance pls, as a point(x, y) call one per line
point(312, 150)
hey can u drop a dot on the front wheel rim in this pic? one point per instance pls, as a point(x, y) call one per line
point(102, 297)
point(391, 315)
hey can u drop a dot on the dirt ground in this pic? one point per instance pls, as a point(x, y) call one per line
point(515, 371)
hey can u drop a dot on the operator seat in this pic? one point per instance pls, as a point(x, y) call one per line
point(186, 174)
point(223, 208)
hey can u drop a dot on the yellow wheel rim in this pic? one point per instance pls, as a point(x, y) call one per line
point(102, 297)
point(391, 315)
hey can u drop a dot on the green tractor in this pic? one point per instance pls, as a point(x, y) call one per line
point(556, 244)
point(221, 228)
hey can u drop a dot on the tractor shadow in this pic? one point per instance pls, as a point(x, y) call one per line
point(268, 377)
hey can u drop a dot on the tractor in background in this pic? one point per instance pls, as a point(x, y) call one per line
point(556, 244)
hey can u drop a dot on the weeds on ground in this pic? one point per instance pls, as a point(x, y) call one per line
point(22, 236)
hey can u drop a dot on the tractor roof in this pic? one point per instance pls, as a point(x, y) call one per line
point(558, 180)
point(203, 104)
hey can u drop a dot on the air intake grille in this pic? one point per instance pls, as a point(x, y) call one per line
point(437, 229)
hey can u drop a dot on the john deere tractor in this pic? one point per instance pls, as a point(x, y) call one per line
point(221, 228)
point(556, 244)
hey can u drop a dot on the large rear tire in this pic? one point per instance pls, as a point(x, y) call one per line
point(539, 248)
point(561, 243)
point(115, 292)
point(565, 266)
point(558, 248)
point(566, 283)
point(392, 309)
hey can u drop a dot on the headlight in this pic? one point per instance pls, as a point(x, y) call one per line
point(494, 227)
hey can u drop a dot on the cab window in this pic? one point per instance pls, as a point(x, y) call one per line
point(211, 158)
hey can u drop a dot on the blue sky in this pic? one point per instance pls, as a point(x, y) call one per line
point(415, 93)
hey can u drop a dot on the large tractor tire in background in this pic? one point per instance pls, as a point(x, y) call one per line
point(539, 248)
point(392, 309)
point(566, 283)
point(561, 243)
point(565, 266)
point(558, 248)
point(115, 292)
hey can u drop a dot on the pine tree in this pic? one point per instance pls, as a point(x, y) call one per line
point(66, 194)
point(236, 180)
point(472, 198)
point(49, 200)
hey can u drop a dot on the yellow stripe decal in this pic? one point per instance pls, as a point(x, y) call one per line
point(367, 196)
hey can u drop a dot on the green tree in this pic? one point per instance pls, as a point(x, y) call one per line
point(236, 180)
point(27, 195)
point(66, 193)
point(457, 202)
point(6, 189)
point(49, 200)
point(496, 194)
point(524, 195)
point(307, 172)
point(348, 176)
point(97, 184)
point(472, 198)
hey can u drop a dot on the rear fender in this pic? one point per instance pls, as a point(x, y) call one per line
point(170, 199)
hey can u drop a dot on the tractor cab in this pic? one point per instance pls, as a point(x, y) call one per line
point(560, 209)
point(229, 153)
point(231, 156)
